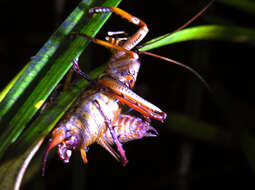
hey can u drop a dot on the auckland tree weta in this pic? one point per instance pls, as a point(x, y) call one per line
point(96, 116)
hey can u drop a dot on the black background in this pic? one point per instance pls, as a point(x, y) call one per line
point(154, 162)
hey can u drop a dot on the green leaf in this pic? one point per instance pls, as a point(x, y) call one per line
point(10, 85)
point(23, 151)
point(208, 133)
point(176, 123)
point(190, 127)
point(44, 123)
point(246, 5)
point(45, 70)
point(56, 61)
point(205, 32)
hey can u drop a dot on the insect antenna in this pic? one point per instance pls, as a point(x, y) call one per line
point(181, 65)
point(183, 26)
point(176, 62)
point(194, 17)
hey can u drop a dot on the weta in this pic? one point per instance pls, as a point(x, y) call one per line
point(97, 116)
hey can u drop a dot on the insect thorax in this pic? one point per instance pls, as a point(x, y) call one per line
point(124, 69)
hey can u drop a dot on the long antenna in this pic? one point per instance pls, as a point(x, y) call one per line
point(181, 65)
point(194, 17)
point(185, 24)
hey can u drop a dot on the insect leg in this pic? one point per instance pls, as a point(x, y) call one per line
point(105, 144)
point(135, 38)
point(83, 156)
point(130, 98)
point(113, 134)
point(109, 45)
point(77, 69)
point(116, 41)
point(113, 33)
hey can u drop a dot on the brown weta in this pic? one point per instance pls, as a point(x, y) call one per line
point(96, 117)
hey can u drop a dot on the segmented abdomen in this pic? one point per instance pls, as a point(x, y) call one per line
point(86, 116)
point(128, 128)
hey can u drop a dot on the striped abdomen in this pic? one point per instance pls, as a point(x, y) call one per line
point(83, 125)
point(87, 117)
point(128, 128)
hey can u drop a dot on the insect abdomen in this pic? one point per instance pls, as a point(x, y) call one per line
point(128, 128)
point(90, 119)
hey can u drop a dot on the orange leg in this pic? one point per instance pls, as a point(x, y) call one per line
point(130, 98)
point(83, 156)
point(110, 45)
point(127, 96)
point(117, 88)
point(135, 38)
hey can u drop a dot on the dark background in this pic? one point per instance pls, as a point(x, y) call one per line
point(173, 160)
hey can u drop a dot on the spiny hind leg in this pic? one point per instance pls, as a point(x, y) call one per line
point(135, 38)
point(125, 95)
point(119, 12)
point(113, 135)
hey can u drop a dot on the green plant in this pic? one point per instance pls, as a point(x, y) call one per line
point(26, 93)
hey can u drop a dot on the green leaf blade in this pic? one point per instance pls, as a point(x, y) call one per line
point(246, 5)
point(57, 66)
point(205, 32)
point(40, 60)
